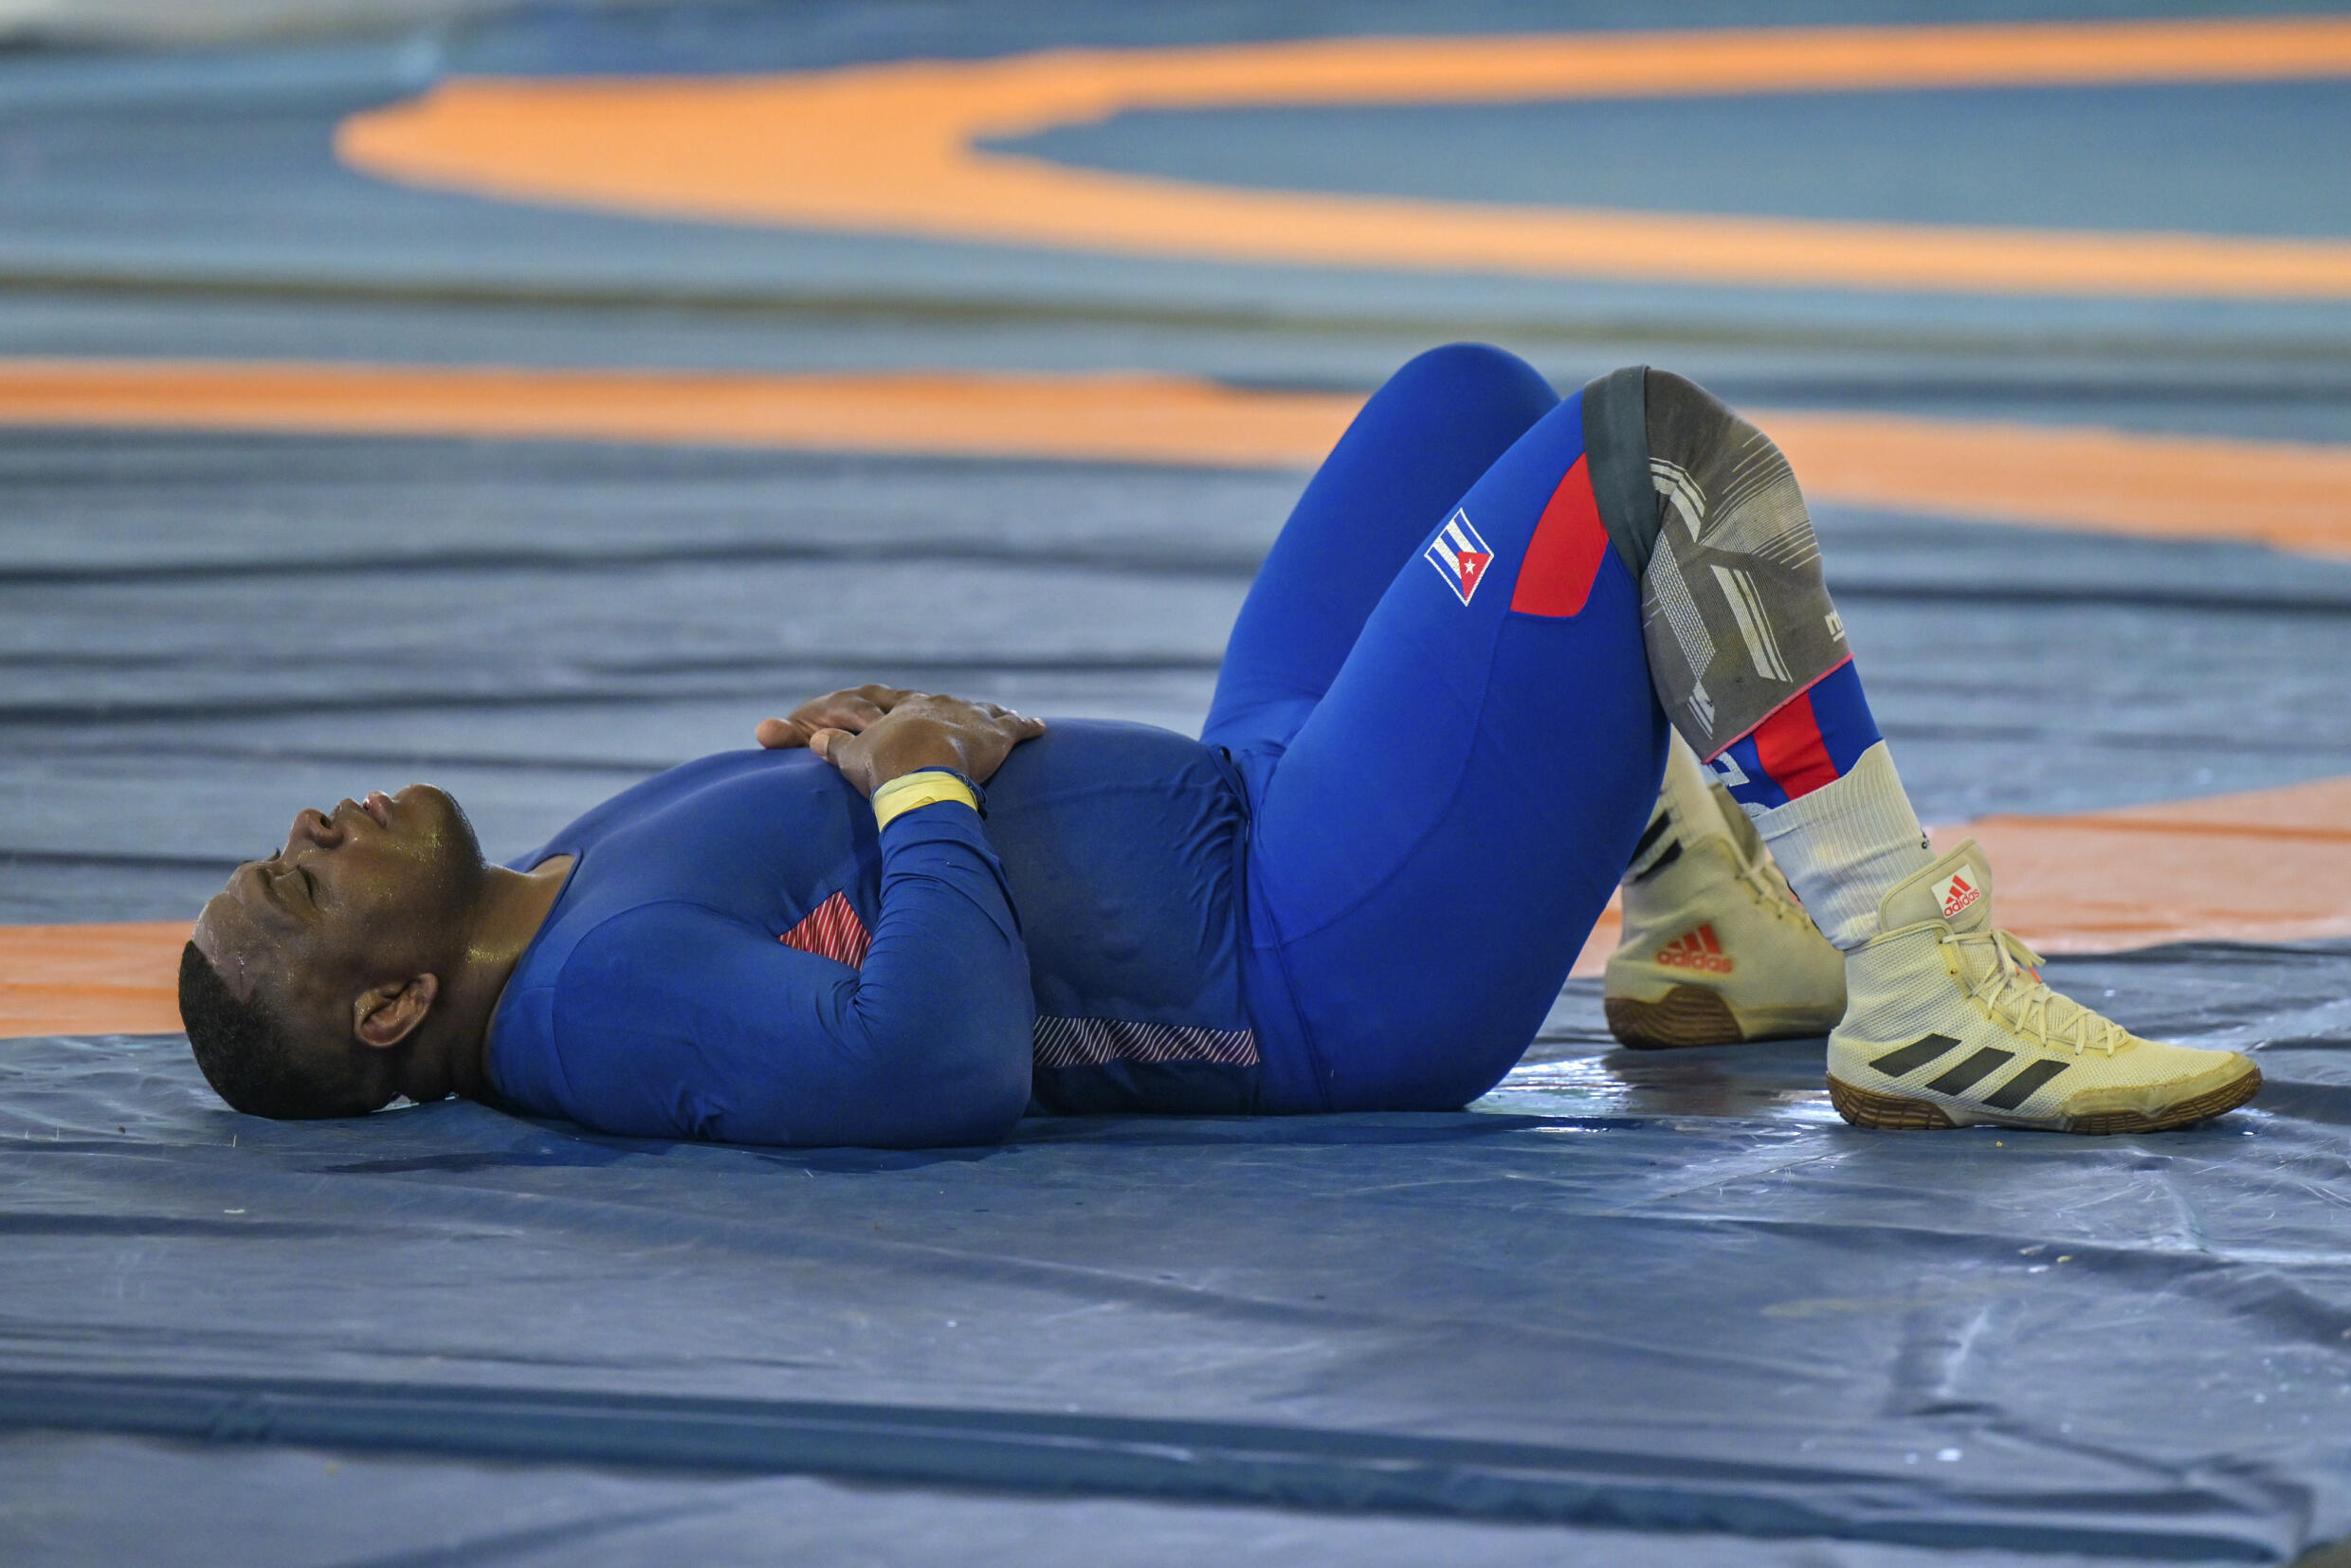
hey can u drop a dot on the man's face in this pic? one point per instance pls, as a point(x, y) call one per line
point(370, 892)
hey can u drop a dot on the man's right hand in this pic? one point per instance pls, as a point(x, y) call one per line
point(851, 710)
point(875, 734)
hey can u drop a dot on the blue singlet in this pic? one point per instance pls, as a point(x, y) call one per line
point(1433, 747)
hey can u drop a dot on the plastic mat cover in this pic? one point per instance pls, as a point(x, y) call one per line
point(1666, 1294)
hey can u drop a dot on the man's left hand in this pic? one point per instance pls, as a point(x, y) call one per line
point(875, 734)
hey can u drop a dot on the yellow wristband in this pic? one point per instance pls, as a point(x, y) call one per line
point(928, 787)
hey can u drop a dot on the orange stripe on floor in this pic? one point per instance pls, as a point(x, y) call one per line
point(1116, 417)
point(2289, 496)
point(2267, 866)
point(2283, 494)
point(892, 149)
point(90, 979)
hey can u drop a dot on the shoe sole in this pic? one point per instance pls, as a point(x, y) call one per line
point(1691, 1015)
point(1688, 1015)
point(1898, 1113)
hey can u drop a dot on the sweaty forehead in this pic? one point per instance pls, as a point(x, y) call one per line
point(237, 944)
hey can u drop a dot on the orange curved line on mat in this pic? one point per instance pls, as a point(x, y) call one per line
point(91, 979)
point(2267, 866)
point(1114, 417)
point(2283, 494)
point(2290, 496)
point(892, 148)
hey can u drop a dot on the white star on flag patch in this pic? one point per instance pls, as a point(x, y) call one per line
point(1460, 555)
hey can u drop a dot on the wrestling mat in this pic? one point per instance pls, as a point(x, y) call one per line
point(364, 417)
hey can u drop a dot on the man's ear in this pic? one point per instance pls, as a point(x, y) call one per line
point(389, 1013)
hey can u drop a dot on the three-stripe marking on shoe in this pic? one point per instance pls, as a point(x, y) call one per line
point(1666, 857)
point(1967, 1074)
point(1910, 1058)
point(1671, 853)
point(2021, 1087)
point(1655, 832)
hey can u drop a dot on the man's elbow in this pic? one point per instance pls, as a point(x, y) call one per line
point(938, 1091)
point(984, 1104)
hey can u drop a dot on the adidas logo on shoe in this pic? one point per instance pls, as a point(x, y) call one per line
point(1955, 892)
point(1701, 886)
point(1696, 949)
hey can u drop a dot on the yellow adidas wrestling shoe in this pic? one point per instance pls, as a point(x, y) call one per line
point(1951, 1024)
point(1716, 950)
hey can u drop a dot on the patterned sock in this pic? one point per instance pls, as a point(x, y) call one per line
point(1817, 782)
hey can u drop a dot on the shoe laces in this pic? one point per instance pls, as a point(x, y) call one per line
point(1769, 889)
point(2011, 989)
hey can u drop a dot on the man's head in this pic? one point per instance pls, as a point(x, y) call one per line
point(312, 975)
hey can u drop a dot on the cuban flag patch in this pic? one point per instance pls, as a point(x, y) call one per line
point(1460, 555)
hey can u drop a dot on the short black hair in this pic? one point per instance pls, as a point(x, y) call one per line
point(252, 1062)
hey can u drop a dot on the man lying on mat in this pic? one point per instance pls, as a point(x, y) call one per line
point(1493, 623)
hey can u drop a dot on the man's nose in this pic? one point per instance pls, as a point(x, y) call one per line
point(312, 827)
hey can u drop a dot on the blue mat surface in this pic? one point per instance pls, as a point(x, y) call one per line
point(2258, 159)
point(537, 625)
point(1623, 1293)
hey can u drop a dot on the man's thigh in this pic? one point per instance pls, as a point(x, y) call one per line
point(1419, 441)
point(1431, 852)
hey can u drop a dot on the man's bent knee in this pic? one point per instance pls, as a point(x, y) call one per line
point(1706, 510)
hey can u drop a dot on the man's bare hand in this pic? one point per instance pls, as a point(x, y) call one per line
point(875, 734)
point(851, 710)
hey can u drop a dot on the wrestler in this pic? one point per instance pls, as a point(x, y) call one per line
point(1508, 651)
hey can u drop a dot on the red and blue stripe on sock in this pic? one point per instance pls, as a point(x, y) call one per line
point(1811, 739)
